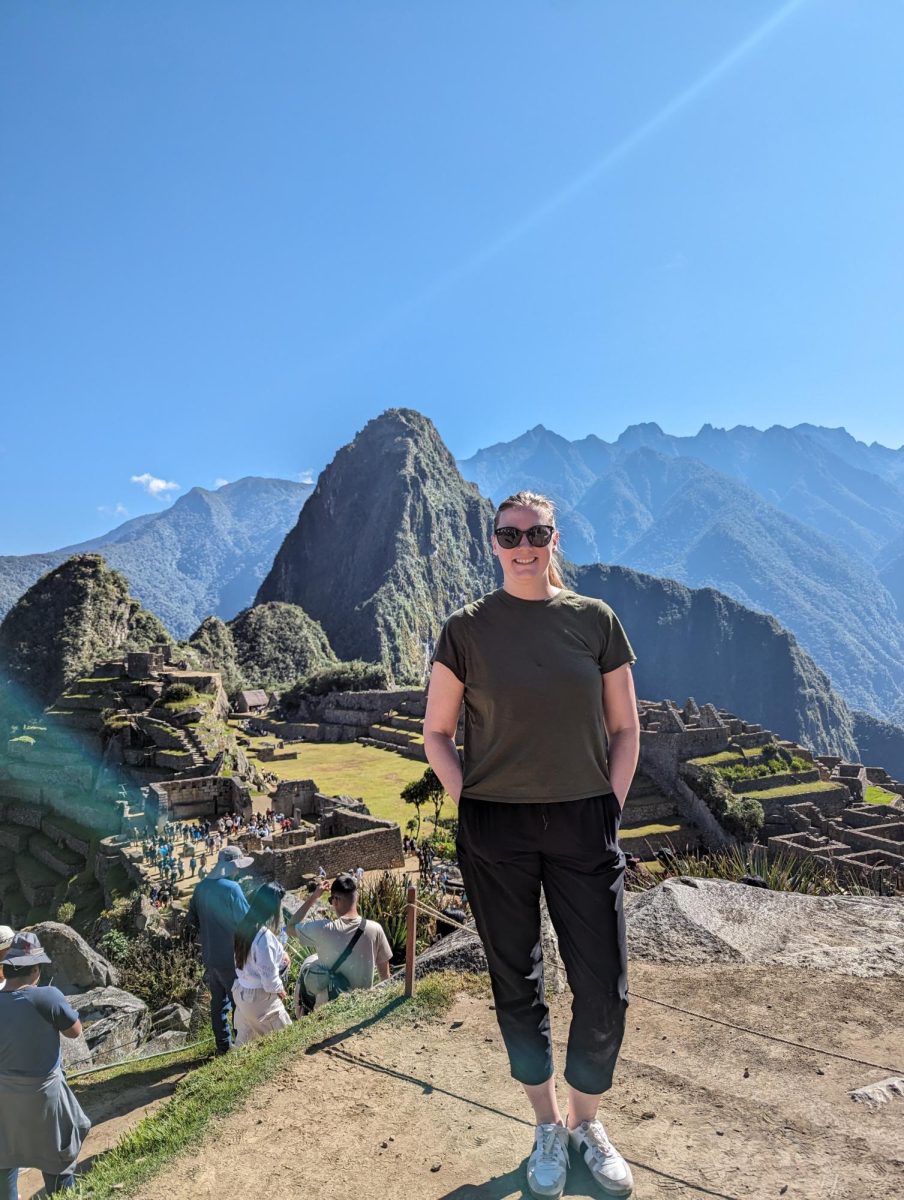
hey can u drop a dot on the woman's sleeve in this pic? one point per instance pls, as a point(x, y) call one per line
point(450, 648)
point(615, 649)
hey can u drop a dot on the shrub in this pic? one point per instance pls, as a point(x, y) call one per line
point(782, 871)
point(175, 693)
point(742, 816)
point(355, 676)
point(113, 945)
point(386, 901)
point(65, 913)
point(161, 973)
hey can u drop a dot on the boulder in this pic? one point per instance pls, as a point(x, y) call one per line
point(171, 1018)
point(460, 951)
point(172, 1039)
point(463, 950)
point(75, 967)
point(115, 1023)
point(698, 921)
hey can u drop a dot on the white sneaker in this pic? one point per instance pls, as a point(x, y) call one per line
point(605, 1163)
point(547, 1167)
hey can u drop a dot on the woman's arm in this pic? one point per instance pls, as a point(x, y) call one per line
point(440, 723)
point(622, 728)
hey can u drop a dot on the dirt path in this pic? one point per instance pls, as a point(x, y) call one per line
point(429, 1113)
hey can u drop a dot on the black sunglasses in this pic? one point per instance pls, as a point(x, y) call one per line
point(538, 535)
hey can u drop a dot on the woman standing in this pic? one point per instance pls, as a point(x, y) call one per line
point(258, 990)
point(551, 745)
point(41, 1123)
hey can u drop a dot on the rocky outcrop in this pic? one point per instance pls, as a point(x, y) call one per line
point(115, 1026)
point(698, 921)
point(390, 542)
point(75, 967)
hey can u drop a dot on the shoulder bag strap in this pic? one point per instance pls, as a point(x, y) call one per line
point(350, 947)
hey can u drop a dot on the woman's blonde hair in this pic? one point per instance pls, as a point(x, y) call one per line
point(541, 504)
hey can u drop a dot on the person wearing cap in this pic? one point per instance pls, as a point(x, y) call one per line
point(330, 938)
point(6, 940)
point(216, 908)
point(41, 1123)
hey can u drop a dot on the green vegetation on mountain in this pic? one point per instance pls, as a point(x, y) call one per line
point(78, 614)
point(699, 642)
point(277, 643)
point(881, 743)
point(389, 543)
point(214, 644)
point(269, 646)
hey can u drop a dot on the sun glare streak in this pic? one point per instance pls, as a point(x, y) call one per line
point(531, 220)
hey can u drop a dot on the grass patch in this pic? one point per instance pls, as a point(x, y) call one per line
point(796, 789)
point(217, 1088)
point(636, 831)
point(350, 769)
point(879, 795)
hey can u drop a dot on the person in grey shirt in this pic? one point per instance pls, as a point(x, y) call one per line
point(41, 1123)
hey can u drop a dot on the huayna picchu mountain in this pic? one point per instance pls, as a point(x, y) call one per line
point(72, 617)
point(389, 543)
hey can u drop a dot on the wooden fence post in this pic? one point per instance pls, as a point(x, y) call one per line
point(411, 939)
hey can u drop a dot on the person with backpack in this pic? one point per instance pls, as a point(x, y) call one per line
point(347, 949)
point(259, 991)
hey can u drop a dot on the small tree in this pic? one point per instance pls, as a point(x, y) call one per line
point(426, 790)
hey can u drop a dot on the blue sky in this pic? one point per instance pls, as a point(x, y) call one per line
point(231, 233)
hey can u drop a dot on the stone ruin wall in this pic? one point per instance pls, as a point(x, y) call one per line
point(207, 796)
point(375, 848)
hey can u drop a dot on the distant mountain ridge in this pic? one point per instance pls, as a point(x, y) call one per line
point(204, 555)
point(794, 522)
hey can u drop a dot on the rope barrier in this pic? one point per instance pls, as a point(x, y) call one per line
point(415, 904)
point(861, 1062)
point(141, 1058)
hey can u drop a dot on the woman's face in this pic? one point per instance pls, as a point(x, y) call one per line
point(525, 562)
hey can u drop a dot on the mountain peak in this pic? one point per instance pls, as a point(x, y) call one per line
point(392, 540)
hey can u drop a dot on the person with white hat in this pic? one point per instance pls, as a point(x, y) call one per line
point(41, 1123)
point(6, 940)
point(217, 906)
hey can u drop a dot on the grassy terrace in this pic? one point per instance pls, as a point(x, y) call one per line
point(726, 758)
point(879, 795)
point(349, 769)
point(795, 790)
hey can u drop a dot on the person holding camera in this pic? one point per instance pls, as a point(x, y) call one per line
point(347, 949)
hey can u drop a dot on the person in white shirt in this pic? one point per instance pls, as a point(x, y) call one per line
point(258, 990)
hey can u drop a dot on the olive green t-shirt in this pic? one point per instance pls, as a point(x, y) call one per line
point(534, 729)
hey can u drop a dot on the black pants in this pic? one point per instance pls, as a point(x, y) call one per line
point(505, 852)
